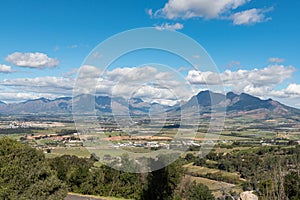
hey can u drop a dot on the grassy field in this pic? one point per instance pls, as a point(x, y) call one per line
point(216, 186)
point(295, 136)
point(229, 150)
point(212, 184)
point(77, 151)
point(13, 136)
point(199, 171)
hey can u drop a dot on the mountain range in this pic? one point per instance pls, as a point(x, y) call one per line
point(241, 105)
point(236, 104)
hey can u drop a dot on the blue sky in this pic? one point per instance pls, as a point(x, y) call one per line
point(238, 34)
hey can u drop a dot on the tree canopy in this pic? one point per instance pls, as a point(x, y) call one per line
point(25, 174)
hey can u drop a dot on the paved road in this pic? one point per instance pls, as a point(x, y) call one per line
point(77, 197)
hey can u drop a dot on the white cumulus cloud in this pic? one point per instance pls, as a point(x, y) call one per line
point(259, 82)
point(276, 60)
point(40, 83)
point(208, 9)
point(176, 26)
point(5, 69)
point(198, 8)
point(135, 74)
point(293, 89)
point(248, 17)
point(32, 60)
point(147, 82)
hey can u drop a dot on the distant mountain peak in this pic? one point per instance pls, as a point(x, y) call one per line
point(231, 95)
point(136, 100)
point(236, 103)
point(43, 99)
point(63, 99)
point(205, 92)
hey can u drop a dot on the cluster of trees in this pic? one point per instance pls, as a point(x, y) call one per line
point(25, 173)
point(66, 132)
point(164, 184)
point(273, 172)
point(81, 177)
point(19, 130)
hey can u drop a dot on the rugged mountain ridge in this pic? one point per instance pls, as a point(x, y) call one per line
point(64, 105)
point(238, 103)
point(235, 104)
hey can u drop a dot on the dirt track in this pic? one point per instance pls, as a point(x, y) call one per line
point(80, 197)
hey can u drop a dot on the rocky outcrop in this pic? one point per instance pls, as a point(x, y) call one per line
point(248, 195)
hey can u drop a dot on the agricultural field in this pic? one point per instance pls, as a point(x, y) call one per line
point(73, 151)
